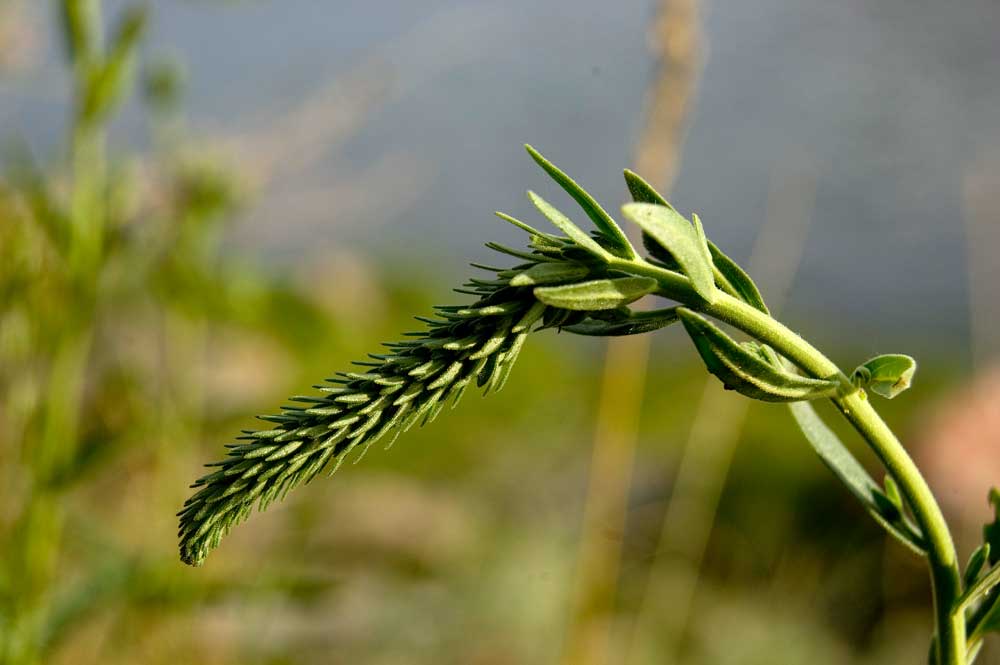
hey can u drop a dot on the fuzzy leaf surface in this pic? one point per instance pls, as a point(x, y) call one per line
point(549, 273)
point(746, 371)
point(683, 240)
point(566, 225)
point(602, 220)
point(642, 191)
point(740, 282)
point(598, 294)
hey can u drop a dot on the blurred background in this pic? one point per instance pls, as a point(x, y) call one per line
point(206, 206)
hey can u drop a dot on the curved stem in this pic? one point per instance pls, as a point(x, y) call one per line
point(941, 555)
point(853, 404)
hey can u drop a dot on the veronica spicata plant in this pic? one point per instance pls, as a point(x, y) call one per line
point(582, 283)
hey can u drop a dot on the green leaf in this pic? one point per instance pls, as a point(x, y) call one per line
point(566, 225)
point(597, 214)
point(524, 227)
point(886, 375)
point(742, 286)
point(509, 251)
point(975, 565)
point(637, 323)
point(40, 196)
point(81, 22)
point(838, 459)
point(549, 273)
point(642, 191)
point(989, 621)
point(597, 294)
point(110, 80)
point(991, 531)
point(699, 230)
point(892, 492)
point(684, 241)
point(163, 84)
point(658, 252)
point(746, 370)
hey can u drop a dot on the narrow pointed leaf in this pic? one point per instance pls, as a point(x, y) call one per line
point(566, 225)
point(892, 491)
point(640, 322)
point(746, 371)
point(602, 220)
point(699, 230)
point(742, 285)
point(597, 294)
point(679, 237)
point(886, 375)
point(642, 191)
point(986, 619)
point(991, 530)
point(975, 564)
point(839, 459)
point(81, 25)
point(530, 230)
point(549, 273)
point(110, 80)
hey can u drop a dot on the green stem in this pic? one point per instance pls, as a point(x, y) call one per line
point(87, 199)
point(941, 556)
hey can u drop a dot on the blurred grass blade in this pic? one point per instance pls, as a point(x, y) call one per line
point(110, 81)
point(28, 183)
point(81, 24)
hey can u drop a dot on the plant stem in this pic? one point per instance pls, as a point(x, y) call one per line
point(854, 405)
point(941, 556)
